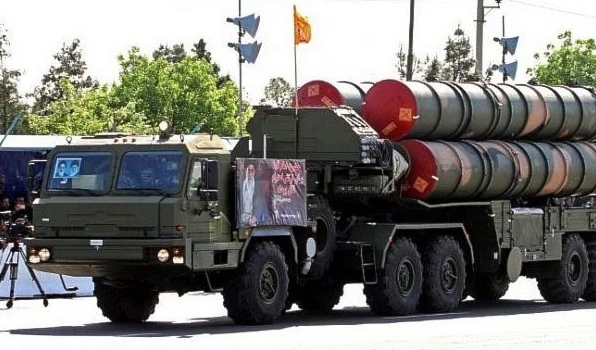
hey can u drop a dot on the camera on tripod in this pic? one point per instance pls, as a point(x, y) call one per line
point(14, 230)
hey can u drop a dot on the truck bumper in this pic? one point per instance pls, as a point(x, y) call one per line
point(131, 257)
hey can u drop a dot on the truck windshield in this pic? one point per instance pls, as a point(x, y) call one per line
point(80, 171)
point(150, 170)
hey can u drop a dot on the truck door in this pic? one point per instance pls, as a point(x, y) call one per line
point(203, 220)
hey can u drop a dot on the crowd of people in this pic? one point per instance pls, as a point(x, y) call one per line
point(19, 208)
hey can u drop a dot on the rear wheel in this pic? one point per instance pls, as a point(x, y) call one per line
point(590, 291)
point(257, 291)
point(399, 286)
point(571, 281)
point(132, 304)
point(325, 236)
point(489, 286)
point(444, 275)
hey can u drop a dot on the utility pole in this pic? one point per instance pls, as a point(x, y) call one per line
point(480, 33)
point(504, 54)
point(246, 52)
point(410, 57)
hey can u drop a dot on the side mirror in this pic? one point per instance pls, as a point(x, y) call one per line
point(35, 168)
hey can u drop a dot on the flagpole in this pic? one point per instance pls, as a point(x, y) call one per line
point(295, 68)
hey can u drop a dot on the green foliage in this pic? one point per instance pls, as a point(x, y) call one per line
point(172, 85)
point(9, 93)
point(200, 51)
point(278, 93)
point(184, 92)
point(433, 70)
point(402, 64)
point(571, 62)
point(70, 66)
point(173, 55)
point(459, 64)
point(87, 112)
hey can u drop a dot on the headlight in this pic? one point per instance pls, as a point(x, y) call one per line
point(163, 255)
point(34, 259)
point(44, 254)
point(178, 255)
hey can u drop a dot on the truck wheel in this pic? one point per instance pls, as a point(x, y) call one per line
point(399, 286)
point(573, 273)
point(257, 291)
point(132, 304)
point(325, 236)
point(319, 296)
point(590, 291)
point(489, 286)
point(444, 275)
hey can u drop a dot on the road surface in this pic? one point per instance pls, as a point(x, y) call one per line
point(198, 321)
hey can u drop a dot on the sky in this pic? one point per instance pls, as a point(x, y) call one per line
point(354, 40)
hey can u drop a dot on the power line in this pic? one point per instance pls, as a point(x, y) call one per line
point(552, 9)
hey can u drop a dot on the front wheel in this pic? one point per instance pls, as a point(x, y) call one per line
point(128, 304)
point(257, 291)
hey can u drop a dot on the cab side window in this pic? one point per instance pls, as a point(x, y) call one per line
point(196, 179)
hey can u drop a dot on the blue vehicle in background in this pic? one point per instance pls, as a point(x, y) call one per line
point(16, 152)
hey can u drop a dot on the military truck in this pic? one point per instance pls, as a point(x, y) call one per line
point(421, 224)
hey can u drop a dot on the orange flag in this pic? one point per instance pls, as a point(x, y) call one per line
point(301, 28)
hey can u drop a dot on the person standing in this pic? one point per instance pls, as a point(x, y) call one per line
point(248, 193)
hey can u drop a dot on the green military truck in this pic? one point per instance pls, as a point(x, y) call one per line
point(421, 224)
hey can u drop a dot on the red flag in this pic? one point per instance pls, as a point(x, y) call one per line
point(301, 28)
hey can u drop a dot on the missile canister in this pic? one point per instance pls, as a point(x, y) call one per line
point(498, 170)
point(446, 110)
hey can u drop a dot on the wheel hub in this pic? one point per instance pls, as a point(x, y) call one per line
point(405, 277)
point(574, 268)
point(268, 283)
point(449, 275)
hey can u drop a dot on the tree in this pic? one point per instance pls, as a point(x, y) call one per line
point(200, 51)
point(87, 112)
point(9, 94)
point(402, 64)
point(433, 70)
point(571, 62)
point(71, 66)
point(459, 63)
point(174, 55)
point(278, 93)
point(184, 92)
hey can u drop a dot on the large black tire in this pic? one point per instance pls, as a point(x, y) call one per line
point(444, 269)
point(257, 291)
point(590, 291)
point(399, 285)
point(132, 304)
point(325, 236)
point(571, 282)
point(319, 296)
point(489, 286)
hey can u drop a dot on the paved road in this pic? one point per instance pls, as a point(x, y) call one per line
point(198, 321)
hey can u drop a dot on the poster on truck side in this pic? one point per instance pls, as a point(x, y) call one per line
point(270, 192)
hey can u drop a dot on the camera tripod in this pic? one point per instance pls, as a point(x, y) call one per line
point(11, 265)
